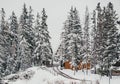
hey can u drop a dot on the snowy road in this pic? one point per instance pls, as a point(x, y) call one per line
point(56, 69)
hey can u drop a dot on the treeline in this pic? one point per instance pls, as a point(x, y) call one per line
point(99, 43)
point(24, 42)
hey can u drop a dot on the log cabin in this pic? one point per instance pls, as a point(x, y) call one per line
point(81, 65)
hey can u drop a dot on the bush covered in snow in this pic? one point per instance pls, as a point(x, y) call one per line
point(28, 74)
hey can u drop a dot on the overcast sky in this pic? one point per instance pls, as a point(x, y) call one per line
point(57, 11)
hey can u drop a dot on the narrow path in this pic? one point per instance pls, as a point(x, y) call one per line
point(67, 76)
point(58, 72)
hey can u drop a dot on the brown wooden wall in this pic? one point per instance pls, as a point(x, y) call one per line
point(81, 65)
point(67, 65)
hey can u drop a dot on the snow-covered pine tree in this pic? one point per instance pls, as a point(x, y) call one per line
point(2, 49)
point(77, 35)
point(86, 36)
point(72, 38)
point(31, 40)
point(99, 35)
point(96, 57)
point(37, 60)
point(67, 31)
point(116, 62)
point(111, 32)
point(13, 59)
point(4, 44)
point(94, 41)
point(47, 49)
point(25, 51)
point(98, 44)
point(43, 50)
point(9, 59)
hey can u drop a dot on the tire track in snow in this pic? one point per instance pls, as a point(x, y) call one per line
point(67, 76)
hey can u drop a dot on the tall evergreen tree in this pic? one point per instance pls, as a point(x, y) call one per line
point(98, 41)
point(25, 55)
point(94, 39)
point(13, 58)
point(86, 36)
point(72, 38)
point(110, 53)
point(31, 29)
point(43, 50)
point(2, 49)
point(37, 60)
point(7, 36)
point(47, 50)
point(4, 44)
point(100, 18)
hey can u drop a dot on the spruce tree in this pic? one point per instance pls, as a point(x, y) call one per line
point(71, 46)
point(4, 44)
point(43, 51)
point(2, 49)
point(98, 37)
point(96, 55)
point(110, 53)
point(13, 59)
point(9, 59)
point(86, 36)
point(25, 55)
point(31, 29)
point(37, 60)
point(94, 39)
point(47, 49)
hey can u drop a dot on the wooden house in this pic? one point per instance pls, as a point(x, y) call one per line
point(81, 65)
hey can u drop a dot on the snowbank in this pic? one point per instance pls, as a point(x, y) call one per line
point(44, 75)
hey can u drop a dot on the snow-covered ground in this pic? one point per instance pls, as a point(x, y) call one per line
point(93, 77)
point(38, 75)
